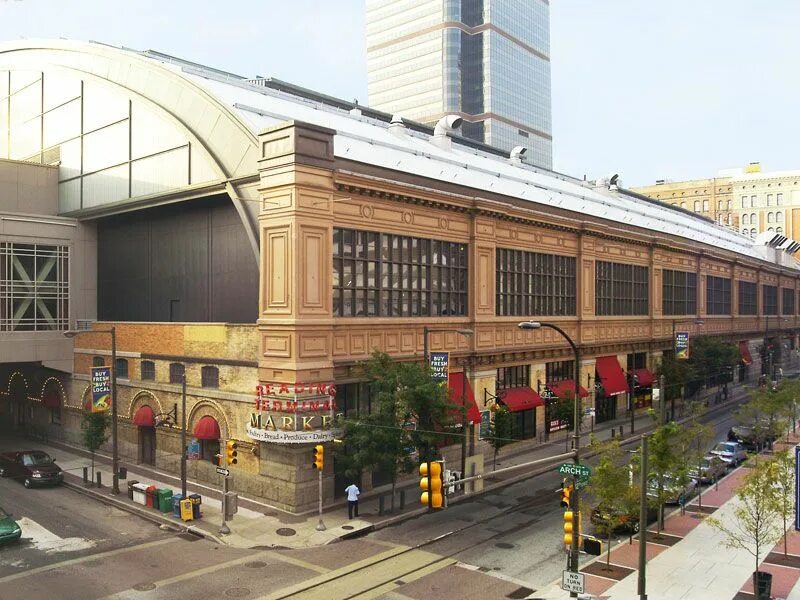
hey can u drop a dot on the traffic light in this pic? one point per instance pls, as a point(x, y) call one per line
point(566, 493)
point(592, 545)
point(231, 452)
point(431, 483)
point(319, 457)
point(569, 527)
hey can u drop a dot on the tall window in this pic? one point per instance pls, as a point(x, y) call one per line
point(787, 306)
point(705, 205)
point(745, 219)
point(121, 367)
point(353, 399)
point(769, 199)
point(697, 206)
point(770, 217)
point(209, 377)
point(637, 360)
point(748, 303)
point(679, 293)
point(779, 198)
point(621, 289)
point(779, 217)
point(744, 201)
point(559, 371)
point(529, 283)
point(753, 201)
point(34, 287)
point(718, 295)
point(380, 274)
point(176, 372)
point(511, 377)
point(148, 368)
point(98, 361)
point(770, 299)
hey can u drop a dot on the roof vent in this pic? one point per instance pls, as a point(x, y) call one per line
point(608, 181)
point(446, 125)
point(660, 181)
point(397, 127)
point(355, 111)
point(517, 154)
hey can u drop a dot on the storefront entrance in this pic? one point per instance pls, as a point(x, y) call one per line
point(147, 445)
point(605, 408)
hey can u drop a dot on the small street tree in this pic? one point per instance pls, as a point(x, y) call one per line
point(711, 359)
point(677, 373)
point(693, 443)
point(499, 433)
point(93, 432)
point(757, 523)
point(663, 463)
point(780, 470)
point(617, 499)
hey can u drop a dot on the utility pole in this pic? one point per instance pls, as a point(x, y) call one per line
point(183, 434)
point(631, 389)
point(663, 394)
point(114, 413)
point(643, 523)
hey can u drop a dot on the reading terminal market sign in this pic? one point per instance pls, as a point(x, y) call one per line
point(298, 413)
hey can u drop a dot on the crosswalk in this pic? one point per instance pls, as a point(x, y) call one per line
point(44, 540)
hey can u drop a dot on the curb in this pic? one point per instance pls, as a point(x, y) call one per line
point(147, 515)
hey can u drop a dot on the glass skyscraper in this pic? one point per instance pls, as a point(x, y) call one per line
point(485, 60)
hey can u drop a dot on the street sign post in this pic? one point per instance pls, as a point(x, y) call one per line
point(577, 471)
point(223, 471)
point(572, 582)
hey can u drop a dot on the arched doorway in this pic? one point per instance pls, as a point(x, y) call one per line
point(207, 431)
point(18, 392)
point(145, 422)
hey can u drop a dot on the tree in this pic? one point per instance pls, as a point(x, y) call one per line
point(780, 470)
point(609, 485)
point(693, 443)
point(499, 433)
point(677, 373)
point(409, 410)
point(711, 359)
point(93, 431)
point(756, 520)
point(663, 463)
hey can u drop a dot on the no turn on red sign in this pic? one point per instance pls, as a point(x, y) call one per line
point(572, 582)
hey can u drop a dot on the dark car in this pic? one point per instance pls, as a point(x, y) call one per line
point(623, 522)
point(31, 467)
point(753, 437)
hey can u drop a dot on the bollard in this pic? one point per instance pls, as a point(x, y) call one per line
point(402, 499)
point(613, 431)
point(99, 479)
point(621, 429)
point(85, 475)
point(381, 504)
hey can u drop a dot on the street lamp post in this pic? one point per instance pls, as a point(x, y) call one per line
point(575, 497)
point(114, 438)
point(632, 379)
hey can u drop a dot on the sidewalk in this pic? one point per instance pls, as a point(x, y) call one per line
point(690, 561)
point(258, 524)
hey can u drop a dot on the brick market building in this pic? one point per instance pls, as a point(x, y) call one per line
point(261, 239)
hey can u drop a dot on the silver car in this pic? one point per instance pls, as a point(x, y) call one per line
point(732, 453)
point(710, 469)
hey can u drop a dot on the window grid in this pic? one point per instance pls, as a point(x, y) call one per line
point(679, 293)
point(513, 377)
point(748, 303)
point(787, 306)
point(176, 372)
point(34, 287)
point(148, 368)
point(209, 377)
point(529, 283)
point(379, 274)
point(121, 368)
point(769, 296)
point(718, 295)
point(559, 371)
point(621, 289)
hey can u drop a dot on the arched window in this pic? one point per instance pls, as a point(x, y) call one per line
point(98, 361)
point(745, 220)
point(176, 372)
point(779, 217)
point(148, 370)
point(697, 206)
point(753, 233)
point(753, 218)
point(728, 205)
point(770, 217)
point(705, 205)
point(771, 229)
point(779, 230)
point(683, 204)
point(209, 377)
point(122, 368)
point(745, 231)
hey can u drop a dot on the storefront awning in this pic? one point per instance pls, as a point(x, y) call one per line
point(144, 417)
point(51, 398)
point(744, 351)
point(456, 382)
point(644, 378)
point(566, 389)
point(611, 375)
point(207, 428)
point(520, 398)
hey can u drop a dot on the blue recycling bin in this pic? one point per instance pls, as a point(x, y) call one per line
point(176, 505)
point(196, 501)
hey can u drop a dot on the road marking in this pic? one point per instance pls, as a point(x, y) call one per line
point(47, 541)
point(297, 562)
point(75, 561)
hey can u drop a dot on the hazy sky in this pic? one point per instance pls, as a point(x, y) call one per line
point(648, 89)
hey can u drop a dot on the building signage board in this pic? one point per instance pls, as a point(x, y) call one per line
point(293, 437)
point(101, 389)
point(682, 345)
point(440, 365)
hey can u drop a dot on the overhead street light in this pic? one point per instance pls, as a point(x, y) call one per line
point(575, 498)
point(114, 439)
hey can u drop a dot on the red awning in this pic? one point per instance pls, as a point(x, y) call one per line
point(207, 428)
point(611, 375)
point(51, 398)
point(744, 350)
point(456, 381)
point(521, 398)
point(144, 417)
point(644, 378)
point(566, 389)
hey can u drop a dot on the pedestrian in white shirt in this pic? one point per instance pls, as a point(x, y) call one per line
point(352, 492)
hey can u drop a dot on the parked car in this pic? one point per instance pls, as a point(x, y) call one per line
point(628, 523)
point(751, 437)
point(710, 469)
point(31, 467)
point(9, 529)
point(732, 453)
point(674, 492)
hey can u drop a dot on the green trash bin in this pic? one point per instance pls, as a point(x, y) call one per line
point(165, 500)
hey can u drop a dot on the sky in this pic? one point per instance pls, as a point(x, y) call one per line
point(647, 89)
